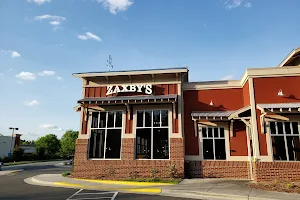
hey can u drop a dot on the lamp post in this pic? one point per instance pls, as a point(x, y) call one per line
point(12, 136)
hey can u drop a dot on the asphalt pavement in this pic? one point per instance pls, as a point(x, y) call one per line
point(13, 187)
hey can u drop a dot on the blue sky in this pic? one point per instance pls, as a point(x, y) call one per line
point(42, 42)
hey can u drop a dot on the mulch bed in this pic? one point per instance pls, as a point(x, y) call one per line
point(278, 186)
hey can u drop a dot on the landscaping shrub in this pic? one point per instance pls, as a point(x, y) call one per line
point(17, 154)
point(66, 174)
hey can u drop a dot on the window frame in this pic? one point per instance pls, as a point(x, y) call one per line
point(135, 128)
point(284, 135)
point(213, 138)
point(122, 128)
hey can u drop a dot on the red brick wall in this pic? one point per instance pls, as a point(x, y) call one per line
point(238, 143)
point(217, 169)
point(198, 100)
point(269, 171)
point(84, 168)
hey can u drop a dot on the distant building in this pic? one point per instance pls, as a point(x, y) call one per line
point(8, 143)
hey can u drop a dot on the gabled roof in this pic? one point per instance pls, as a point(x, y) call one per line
point(290, 56)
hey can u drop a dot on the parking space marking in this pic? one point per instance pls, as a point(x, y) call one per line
point(79, 195)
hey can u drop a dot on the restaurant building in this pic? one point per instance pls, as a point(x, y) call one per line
point(135, 122)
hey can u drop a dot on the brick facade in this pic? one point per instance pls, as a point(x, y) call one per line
point(269, 171)
point(124, 168)
point(217, 169)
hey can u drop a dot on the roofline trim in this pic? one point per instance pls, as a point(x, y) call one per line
point(288, 57)
point(137, 72)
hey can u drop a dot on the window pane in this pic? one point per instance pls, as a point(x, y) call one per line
point(119, 119)
point(220, 151)
point(210, 135)
point(140, 118)
point(148, 118)
point(164, 117)
point(208, 152)
point(293, 143)
point(95, 119)
point(278, 145)
point(91, 145)
point(113, 143)
point(272, 128)
point(204, 132)
point(222, 135)
point(97, 150)
point(156, 118)
point(295, 128)
point(160, 143)
point(216, 134)
point(102, 123)
point(280, 127)
point(110, 120)
point(143, 140)
point(287, 128)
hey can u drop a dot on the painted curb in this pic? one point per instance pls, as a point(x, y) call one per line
point(125, 182)
point(79, 186)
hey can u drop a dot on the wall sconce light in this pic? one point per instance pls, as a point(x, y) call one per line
point(280, 93)
point(211, 103)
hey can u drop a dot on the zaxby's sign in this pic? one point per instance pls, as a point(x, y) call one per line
point(143, 88)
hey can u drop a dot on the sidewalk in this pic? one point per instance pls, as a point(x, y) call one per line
point(211, 189)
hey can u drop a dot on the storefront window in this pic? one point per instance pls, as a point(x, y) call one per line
point(285, 141)
point(106, 131)
point(213, 140)
point(152, 134)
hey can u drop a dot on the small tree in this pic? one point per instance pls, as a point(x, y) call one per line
point(17, 154)
point(67, 142)
point(49, 144)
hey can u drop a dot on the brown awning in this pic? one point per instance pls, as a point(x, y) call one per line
point(145, 99)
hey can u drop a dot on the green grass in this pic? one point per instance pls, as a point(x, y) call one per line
point(27, 162)
point(66, 174)
point(154, 180)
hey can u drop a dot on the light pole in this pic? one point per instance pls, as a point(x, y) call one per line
point(12, 136)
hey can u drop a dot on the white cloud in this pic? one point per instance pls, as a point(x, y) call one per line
point(46, 73)
point(82, 37)
point(115, 6)
point(55, 23)
point(230, 4)
point(31, 103)
point(89, 35)
point(228, 77)
point(59, 78)
point(51, 126)
point(39, 2)
point(13, 54)
point(50, 17)
point(26, 76)
point(248, 5)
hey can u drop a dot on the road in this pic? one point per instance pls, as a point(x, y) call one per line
point(13, 187)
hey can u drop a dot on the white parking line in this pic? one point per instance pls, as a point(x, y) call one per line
point(75, 194)
point(79, 195)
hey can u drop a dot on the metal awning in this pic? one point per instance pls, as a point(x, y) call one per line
point(280, 106)
point(211, 115)
point(146, 99)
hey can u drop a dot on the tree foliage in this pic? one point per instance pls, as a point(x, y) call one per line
point(17, 154)
point(48, 144)
point(68, 142)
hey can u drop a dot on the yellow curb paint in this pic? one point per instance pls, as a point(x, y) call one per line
point(68, 184)
point(134, 190)
point(124, 182)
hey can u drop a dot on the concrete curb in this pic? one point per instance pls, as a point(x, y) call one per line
point(10, 171)
point(125, 182)
point(35, 181)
